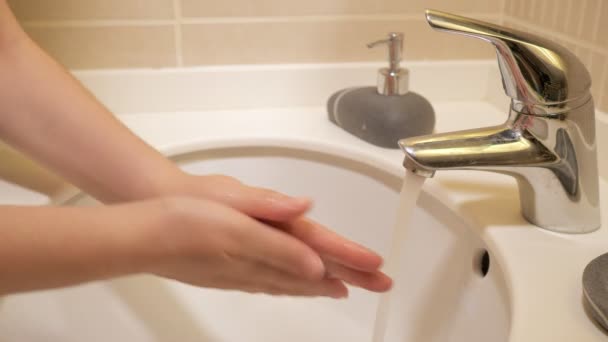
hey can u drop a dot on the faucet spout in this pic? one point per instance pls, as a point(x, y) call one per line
point(490, 148)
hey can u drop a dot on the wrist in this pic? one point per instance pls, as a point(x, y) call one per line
point(156, 241)
point(133, 242)
point(152, 183)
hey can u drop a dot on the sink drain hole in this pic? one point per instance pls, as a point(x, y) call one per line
point(481, 263)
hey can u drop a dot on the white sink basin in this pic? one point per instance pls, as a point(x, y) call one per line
point(441, 293)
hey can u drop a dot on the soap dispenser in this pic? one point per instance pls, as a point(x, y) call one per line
point(384, 114)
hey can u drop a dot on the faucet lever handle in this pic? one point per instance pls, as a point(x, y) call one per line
point(538, 74)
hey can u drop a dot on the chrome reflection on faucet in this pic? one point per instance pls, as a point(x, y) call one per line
point(548, 141)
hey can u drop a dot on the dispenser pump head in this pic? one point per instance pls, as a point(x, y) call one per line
point(393, 80)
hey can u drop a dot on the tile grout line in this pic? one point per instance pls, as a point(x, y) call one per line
point(315, 18)
point(96, 23)
point(179, 54)
point(222, 20)
point(561, 36)
point(300, 19)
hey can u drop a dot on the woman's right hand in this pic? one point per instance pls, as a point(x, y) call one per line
point(193, 240)
point(207, 244)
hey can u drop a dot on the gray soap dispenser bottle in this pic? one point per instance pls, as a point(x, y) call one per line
point(384, 114)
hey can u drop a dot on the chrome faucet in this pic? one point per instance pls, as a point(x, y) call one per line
point(548, 141)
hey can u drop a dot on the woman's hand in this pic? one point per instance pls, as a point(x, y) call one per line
point(263, 204)
point(197, 241)
point(207, 244)
point(343, 259)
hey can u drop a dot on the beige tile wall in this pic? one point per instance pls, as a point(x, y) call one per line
point(580, 25)
point(90, 34)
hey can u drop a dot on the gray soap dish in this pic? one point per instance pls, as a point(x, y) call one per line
point(595, 288)
point(388, 112)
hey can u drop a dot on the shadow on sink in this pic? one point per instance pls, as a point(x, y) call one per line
point(153, 303)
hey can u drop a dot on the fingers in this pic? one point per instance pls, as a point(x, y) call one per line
point(277, 282)
point(285, 212)
point(343, 259)
point(332, 246)
point(266, 244)
point(372, 281)
point(256, 202)
point(300, 257)
point(333, 288)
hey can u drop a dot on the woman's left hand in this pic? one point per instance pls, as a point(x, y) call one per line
point(344, 259)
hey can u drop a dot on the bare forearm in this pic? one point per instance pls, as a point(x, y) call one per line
point(46, 247)
point(48, 115)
